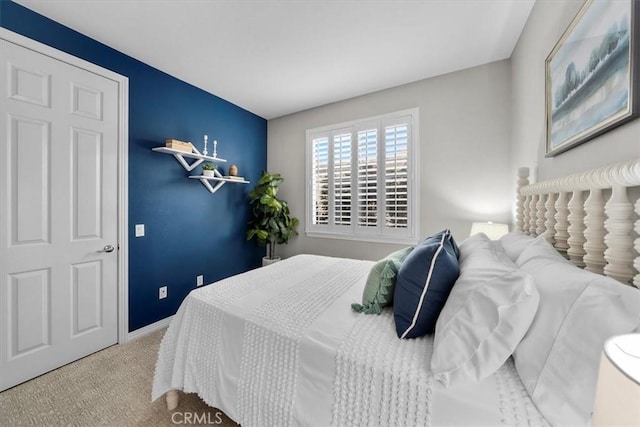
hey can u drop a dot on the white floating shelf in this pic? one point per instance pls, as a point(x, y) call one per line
point(221, 181)
point(216, 178)
point(180, 155)
point(200, 158)
point(185, 154)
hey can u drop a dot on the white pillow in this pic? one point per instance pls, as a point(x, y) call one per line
point(558, 358)
point(486, 315)
point(540, 248)
point(514, 243)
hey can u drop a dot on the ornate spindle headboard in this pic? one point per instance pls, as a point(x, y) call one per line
point(594, 234)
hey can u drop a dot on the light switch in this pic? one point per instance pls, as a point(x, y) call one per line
point(139, 230)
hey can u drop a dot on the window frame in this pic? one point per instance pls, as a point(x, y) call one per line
point(379, 233)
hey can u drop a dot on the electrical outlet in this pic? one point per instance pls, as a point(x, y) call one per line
point(200, 280)
point(162, 294)
point(139, 230)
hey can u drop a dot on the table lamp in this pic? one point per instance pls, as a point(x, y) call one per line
point(618, 391)
point(493, 230)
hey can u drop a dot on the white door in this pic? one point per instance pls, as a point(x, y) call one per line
point(58, 213)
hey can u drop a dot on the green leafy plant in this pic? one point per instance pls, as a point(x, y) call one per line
point(208, 167)
point(271, 223)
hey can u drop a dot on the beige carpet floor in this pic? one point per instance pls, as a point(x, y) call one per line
point(111, 387)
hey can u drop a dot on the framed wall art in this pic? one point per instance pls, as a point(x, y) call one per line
point(591, 82)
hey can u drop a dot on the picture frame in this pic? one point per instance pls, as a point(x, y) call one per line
point(590, 75)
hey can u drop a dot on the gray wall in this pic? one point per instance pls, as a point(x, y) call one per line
point(464, 153)
point(547, 22)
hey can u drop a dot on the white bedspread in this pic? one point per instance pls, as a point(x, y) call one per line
point(281, 346)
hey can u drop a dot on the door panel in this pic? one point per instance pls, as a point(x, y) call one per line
point(87, 296)
point(87, 184)
point(29, 180)
point(30, 297)
point(87, 102)
point(58, 201)
point(29, 86)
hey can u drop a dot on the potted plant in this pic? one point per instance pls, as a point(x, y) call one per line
point(208, 169)
point(271, 223)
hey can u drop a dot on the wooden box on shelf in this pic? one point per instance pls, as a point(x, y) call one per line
point(174, 144)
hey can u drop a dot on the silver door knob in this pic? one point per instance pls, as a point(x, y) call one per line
point(108, 248)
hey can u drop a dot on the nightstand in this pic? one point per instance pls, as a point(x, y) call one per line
point(617, 400)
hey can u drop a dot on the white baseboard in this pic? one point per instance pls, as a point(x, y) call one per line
point(138, 333)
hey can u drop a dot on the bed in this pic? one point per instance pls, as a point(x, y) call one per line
point(280, 346)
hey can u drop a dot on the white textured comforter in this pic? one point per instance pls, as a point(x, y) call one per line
point(281, 346)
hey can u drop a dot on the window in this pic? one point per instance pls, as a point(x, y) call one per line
point(362, 179)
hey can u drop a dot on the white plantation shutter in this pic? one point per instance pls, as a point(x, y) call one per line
point(320, 181)
point(368, 178)
point(342, 179)
point(396, 176)
point(362, 179)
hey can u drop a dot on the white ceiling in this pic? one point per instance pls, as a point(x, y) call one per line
point(277, 57)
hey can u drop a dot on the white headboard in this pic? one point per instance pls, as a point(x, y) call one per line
point(593, 234)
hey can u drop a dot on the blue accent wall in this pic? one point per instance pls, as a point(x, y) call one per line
point(188, 230)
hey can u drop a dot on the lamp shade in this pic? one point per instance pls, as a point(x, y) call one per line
point(493, 230)
point(618, 391)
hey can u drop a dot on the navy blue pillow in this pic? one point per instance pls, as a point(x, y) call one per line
point(423, 285)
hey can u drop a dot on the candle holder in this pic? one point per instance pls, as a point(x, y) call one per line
point(205, 152)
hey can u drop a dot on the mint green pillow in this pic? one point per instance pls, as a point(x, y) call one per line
point(378, 292)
